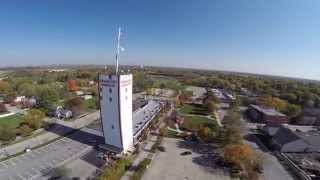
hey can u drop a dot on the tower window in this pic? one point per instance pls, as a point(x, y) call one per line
point(110, 90)
point(110, 76)
point(112, 127)
point(110, 99)
point(126, 89)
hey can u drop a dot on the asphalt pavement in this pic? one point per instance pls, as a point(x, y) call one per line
point(40, 161)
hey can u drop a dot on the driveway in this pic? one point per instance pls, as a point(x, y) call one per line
point(170, 165)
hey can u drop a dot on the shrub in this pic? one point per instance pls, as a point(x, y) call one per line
point(116, 170)
point(140, 169)
point(7, 134)
point(76, 105)
point(24, 130)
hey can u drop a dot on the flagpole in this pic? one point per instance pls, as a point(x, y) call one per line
point(118, 51)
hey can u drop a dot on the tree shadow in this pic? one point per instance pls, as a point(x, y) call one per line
point(86, 136)
point(210, 164)
point(254, 139)
point(209, 160)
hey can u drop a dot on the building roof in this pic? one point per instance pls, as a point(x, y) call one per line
point(270, 130)
point(311, 138)
point(267, 111)
point(142, 116)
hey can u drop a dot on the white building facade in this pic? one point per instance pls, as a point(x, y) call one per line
point(116, 110)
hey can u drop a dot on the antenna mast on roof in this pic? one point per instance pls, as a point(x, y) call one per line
point(118, 50)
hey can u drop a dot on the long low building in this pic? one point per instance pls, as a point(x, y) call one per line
point(143, 116)
point(266, 115)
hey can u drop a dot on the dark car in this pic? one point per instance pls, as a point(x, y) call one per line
point(185, 153)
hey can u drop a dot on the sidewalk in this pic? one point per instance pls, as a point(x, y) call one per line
point(141, 156)
point(55, 132)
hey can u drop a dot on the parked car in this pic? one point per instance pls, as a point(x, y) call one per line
point(185, 153)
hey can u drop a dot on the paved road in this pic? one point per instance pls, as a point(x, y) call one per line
point(61, 128)
point(40, 161)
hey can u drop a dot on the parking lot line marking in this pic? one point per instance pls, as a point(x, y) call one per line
point(2, 166)
point(20, 176)
point(35, 170)
point(7, 163)
point(13, 163)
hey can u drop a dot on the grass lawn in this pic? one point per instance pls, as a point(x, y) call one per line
point(11, 121)
point(195, 122)
point(194, 109)
point(89, 104)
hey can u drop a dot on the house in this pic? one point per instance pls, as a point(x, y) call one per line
point(19, 99)
point(266, 115)
point(25, 102)
point(289, 141)
point(28, 103)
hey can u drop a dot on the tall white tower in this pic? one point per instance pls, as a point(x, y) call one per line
point(116, 107)
point(116, 110)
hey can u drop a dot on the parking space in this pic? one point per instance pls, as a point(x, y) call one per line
point(42, 160)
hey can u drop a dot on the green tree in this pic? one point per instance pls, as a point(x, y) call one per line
point(34, 118)
point(47, 96)
point(274, 102)
point(24, 130)
point(293, 110)
point(7, 134)
point(211, 106)
point(27, 89)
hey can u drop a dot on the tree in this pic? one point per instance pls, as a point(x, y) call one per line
point(26, 89)
point(211, 97)
point(231, 133)
point(7, 91)
point(3, 108)
point(72, 85)
point(75, 104)
point(211, 106)
point(24, 130)
point(7, 134)
point(34, 118)
point(293, 110)
point(204, 133)
point(274, 102)
point(238, 154)
point(47, 96)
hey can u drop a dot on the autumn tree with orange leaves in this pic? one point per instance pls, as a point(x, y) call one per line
point(238, 154)
point(72, 85)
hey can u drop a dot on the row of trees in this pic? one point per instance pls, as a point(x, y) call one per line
point(32, 121)
point(235, 151)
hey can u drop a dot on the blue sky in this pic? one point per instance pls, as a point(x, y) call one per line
point(280, 37)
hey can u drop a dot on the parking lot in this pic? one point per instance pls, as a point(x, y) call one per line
point(171, 165)
point(40, 161)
